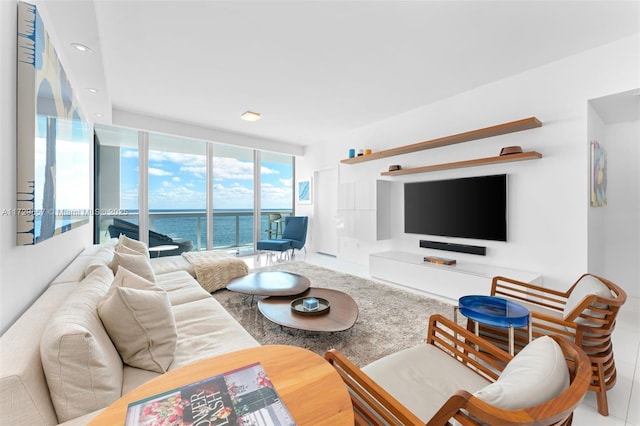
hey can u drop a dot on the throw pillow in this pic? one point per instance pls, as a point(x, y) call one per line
point(136, 263)
point(141, 325)
point(535, 375)
point(139, 246)
point(81, 364)
point(587, 286)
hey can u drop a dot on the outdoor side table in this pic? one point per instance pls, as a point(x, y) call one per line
point(497, 312)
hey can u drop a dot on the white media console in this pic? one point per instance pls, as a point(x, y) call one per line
point(450, 281)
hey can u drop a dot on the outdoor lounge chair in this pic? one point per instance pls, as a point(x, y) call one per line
point(129, 229)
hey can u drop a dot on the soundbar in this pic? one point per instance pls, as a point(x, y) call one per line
point(459, 248)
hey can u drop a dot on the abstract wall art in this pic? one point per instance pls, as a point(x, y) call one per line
point(598, 175)
point(304, 191)
point(53, 140)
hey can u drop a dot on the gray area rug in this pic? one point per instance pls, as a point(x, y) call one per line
point(389, 319)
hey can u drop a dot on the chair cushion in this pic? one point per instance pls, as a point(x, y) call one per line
point(587, 286)
point(138, 318)
point(535, 375)
point(274, 245)
point(81, 364)
point(422, 378)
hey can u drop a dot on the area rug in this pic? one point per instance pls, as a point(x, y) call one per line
point(389, 319)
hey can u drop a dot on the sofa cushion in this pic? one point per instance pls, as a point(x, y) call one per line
point(136, 263)
point(103, 256)
point(587, 286)
point(181, 287)
point(141, 325)
point(81, 365)
point(422, 378)
point(535, 375)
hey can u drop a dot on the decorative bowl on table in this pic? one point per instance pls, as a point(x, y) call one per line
point(310, 306)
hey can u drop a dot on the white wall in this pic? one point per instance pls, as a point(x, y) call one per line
point(595, 215)
point(621, 249)
point(548, 198)
point(25, 271)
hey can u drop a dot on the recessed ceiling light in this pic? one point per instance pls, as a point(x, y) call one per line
point(250, 116)
point(81, 47)
point(92, 90)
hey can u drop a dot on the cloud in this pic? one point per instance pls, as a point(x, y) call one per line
point(158, 172)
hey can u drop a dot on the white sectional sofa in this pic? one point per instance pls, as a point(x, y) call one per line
point(91, 375)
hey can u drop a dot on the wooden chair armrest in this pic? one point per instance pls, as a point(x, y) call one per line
point(372, 404)
point(474, 352)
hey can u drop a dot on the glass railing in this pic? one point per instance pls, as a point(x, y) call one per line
point(232, 229)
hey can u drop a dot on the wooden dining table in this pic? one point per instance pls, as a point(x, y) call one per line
point(309, 386)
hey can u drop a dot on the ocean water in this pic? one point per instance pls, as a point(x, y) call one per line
point(231, 228)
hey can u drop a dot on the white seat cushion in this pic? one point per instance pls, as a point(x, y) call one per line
point(422, 378)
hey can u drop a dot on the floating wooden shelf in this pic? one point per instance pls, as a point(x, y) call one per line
point(531, 155)
point(500, 129)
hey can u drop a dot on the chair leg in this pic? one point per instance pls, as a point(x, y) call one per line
point(601, 392)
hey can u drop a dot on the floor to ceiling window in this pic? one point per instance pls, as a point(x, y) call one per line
point(177, 188)
point(181, 185)
point(116, 181)
point(233, 199)
point(276, 193)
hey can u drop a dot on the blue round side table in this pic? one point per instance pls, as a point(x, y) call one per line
point(495, 311)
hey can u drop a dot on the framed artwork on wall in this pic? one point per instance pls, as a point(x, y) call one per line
point(53, 140)
point(598, 175)
point(304, 191)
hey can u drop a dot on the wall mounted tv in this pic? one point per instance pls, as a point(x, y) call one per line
point(473, 207)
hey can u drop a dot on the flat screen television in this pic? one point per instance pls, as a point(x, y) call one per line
point(473, 207)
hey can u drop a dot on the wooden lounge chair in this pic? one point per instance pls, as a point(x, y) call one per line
point(459, 376)
point(585, 314)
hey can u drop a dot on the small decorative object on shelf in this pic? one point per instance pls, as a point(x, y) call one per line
point(394, 167)
point(440, 260)
point(367, 151)
point(310, 304)
point(511, 150)
point(360, 153)
point(352, 153)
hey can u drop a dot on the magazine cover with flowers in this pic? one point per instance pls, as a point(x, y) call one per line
point(244, 396)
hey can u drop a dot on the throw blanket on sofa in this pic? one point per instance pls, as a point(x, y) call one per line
point(215, 269)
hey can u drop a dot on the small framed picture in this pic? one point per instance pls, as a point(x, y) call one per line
point(304, 191)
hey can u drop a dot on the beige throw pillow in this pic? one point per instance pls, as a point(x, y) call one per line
point(587, 286)
point(535, 375)
point(141, 325)
point(132, 244)
point(136, 263)
point(81, 364)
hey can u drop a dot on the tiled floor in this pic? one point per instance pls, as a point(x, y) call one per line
point(624, 398)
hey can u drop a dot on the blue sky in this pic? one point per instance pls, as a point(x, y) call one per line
point(178, 181)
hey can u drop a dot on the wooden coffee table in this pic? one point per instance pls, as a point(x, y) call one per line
point(342, 314)
point(270, 283)
point(309, 386)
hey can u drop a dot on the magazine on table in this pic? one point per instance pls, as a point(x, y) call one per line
point(244, 396)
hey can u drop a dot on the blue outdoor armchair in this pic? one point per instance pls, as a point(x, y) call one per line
point(294, 236)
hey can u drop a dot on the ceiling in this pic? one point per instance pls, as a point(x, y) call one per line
point(313, 69)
